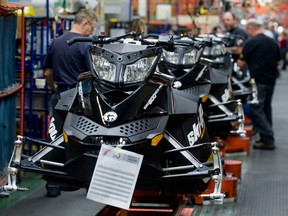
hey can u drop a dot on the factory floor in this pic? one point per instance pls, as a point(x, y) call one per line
point(261, 191)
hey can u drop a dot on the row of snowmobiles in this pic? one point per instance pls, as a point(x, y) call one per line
point(168, 98)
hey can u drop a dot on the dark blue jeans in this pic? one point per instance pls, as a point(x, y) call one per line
point(56, 97)
point(283, 57)
point(54, 190)
point(261, 114)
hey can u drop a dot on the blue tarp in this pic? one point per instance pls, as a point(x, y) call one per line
point(7, 128)
point(7, 79)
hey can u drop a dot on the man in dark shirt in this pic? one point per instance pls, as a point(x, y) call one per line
point(231, 25)
point(262, 55)
point(64, 63)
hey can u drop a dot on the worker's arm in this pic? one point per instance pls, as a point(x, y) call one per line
point(48, 74)
point(236, 50)
point(241, 64)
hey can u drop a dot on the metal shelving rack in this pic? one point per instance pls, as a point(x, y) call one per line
point(39, 34)
point(36, 99)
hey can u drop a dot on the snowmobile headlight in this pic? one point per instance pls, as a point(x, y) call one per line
point(103, 68)
point(218, 50)
point(139, 70)
point(215, 50)
point(206, 51)
point(190, 58)
point(183, 59)
point(171, 57)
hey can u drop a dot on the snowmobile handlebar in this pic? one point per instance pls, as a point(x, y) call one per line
point(99, 39)
point(170, 43)
point(167, 44)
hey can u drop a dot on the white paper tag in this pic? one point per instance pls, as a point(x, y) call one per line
point(114, 178)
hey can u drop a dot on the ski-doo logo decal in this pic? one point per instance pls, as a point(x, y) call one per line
point(153, 97)
point(177, 84)
point(110, 116)
point(226, 95)
point(198, 127)
point(52, 129)
point(80, 91)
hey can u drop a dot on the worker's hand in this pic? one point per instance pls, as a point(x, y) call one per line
point(229, 49)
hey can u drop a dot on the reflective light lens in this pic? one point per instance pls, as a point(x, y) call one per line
point(218, 50)
point(171, 57)
point(103, 68)
point(206, 51)
point(175, 58)
point(156, 139)
point(215, 50)
point(65, 136)
point(139, 70)
point(190, 58)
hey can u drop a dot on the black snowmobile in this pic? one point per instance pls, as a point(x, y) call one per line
point(210, 74)
point(125, 103)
